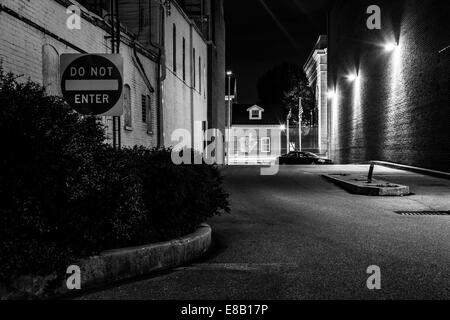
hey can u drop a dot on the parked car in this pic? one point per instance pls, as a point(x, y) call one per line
point(297, 157)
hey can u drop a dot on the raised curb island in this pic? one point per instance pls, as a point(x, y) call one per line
point(359, 185)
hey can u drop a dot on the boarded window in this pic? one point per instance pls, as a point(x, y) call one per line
point(144, 108)
point(150, 117)
point(127, 107)
point(147, 114)
point(50, 70)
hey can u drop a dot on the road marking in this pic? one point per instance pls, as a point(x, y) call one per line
point(92, 85)
point(237, 266)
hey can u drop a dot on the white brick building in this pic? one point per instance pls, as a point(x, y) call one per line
point(185, 86)
point(165, 60)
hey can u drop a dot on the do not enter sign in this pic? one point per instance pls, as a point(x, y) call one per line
point(92, 83)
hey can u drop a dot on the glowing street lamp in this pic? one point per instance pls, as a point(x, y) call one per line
point(331, 94)
point(229, 111)
point(352, 77)
point(389, 47)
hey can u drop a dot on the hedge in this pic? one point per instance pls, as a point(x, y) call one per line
point(67, 194)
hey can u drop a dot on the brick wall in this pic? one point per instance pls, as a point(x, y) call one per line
point(398, 110)
point(24, 49)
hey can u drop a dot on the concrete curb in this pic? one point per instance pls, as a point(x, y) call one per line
point(357, 186)
point(122, 264)
point(433, 173)
point(127, 263)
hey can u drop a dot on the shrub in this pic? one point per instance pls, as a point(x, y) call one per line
point(67, 194)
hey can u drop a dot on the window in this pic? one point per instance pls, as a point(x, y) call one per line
point(127, 107)
point(244, 143)
point(150, 117)
point(265, 145)
point(193, 69)
point(147, 114)
point(200, 74)
point(248, 144)
point(174, 48)
point(144, 107)
point(255, 115)
point(184, 59)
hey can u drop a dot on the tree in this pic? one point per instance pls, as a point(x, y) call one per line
point(285, 84)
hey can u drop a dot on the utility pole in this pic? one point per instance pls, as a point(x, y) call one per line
point(300, 119)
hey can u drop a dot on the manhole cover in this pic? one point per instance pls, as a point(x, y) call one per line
point(423, 213)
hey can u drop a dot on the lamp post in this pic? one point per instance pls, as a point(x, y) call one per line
point(229, 75)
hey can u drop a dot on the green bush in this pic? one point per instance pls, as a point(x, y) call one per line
point(67, 194)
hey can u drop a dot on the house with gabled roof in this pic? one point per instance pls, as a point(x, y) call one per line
point(257, 133)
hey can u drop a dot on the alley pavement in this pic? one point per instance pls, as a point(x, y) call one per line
point(297, 236)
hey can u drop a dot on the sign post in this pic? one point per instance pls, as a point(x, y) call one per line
point(92, 83)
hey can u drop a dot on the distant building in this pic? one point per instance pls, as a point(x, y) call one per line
point(257, 134)
point(316, 72)
point(389, 87)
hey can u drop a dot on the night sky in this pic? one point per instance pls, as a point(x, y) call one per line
point(264, 33)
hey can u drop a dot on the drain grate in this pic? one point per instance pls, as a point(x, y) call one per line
point(423, 213)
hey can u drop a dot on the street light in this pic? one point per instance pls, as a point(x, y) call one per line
point(331, 94)
point(229, 75)
point(352, 77)
point(389, 47)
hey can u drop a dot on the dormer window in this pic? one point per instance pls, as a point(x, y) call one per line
point(255, 112)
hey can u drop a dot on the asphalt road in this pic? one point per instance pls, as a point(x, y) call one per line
point(296, 236)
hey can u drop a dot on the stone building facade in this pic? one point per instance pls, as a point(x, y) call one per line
point(316, 72)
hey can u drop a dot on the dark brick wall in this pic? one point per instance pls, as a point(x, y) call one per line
point(399, 109)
